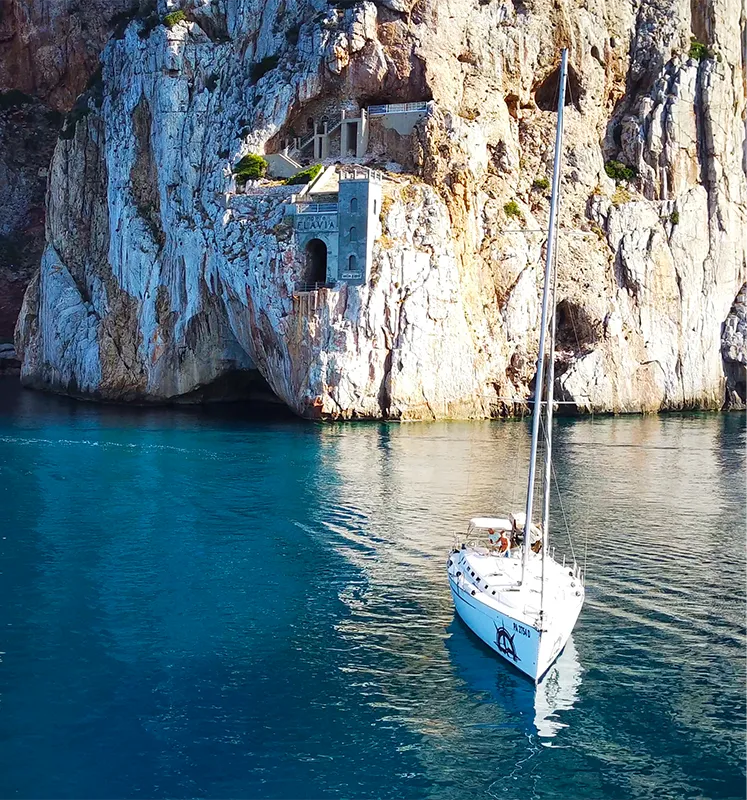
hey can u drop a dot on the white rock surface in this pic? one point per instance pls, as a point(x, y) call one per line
point(158, 282)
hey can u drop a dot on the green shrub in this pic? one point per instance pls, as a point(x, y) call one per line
point(699, 51)
point(304, 176)
point(251, 168)
point(512, 210)
point(541, 184)
point(262, 67)
point(619, 171)
point(674, 218)
point(174, 18)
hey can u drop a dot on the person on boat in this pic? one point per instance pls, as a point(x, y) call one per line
point(504, 544)
point(517, 535)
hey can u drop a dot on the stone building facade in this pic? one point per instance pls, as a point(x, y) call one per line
point(336, 231)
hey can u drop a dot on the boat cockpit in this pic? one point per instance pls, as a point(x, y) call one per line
point(497, 536)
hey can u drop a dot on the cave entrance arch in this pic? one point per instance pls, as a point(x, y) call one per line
point(316, 261)
point(546, 92)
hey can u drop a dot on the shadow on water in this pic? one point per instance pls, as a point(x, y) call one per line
point(29, 404)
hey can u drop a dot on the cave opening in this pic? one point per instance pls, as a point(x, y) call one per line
point(575, 331)
point(546, 92)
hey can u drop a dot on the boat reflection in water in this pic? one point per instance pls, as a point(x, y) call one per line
point(535, 709)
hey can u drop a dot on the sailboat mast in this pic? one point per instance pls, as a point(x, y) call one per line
point(548, 434)
point(549, 260)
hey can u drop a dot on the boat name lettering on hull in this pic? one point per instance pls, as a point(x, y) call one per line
point(522, 630)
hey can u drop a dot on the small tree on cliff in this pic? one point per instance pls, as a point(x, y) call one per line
point(252, 167)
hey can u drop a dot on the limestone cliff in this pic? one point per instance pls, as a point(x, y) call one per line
point(49, 49)
point(158, 280)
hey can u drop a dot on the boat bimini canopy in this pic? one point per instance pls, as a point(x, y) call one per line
point(498, 524)
point(488, 523)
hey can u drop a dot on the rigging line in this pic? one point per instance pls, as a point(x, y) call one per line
point(562, 510)
point(586, 520)
point(516, 476)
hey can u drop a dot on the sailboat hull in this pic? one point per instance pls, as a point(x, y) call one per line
point(511, 635)
point(514, 641)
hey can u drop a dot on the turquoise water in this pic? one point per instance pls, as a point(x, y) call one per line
point(202, 605)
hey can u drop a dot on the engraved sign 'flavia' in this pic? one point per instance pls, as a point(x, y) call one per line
point(316, 222)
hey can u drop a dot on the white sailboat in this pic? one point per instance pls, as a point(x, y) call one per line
point(506, 585)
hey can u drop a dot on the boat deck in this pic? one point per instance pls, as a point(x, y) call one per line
point(494, 580)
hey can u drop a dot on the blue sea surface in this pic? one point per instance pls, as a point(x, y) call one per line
point(205, 604)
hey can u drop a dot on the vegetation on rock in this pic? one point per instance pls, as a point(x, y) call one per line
point(304, 176)
point(512, 210)
point(541, 184)
point(174, 18)
point(252, 167)
point(619, 171)
point(621, 196)
point(699, 51)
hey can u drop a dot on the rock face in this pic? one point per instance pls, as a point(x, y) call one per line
point(734, 351)
point(48, 51)
point(158, 281)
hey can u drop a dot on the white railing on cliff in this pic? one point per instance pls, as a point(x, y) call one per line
point(316, 208)
point(397, 108)
point(356, 173)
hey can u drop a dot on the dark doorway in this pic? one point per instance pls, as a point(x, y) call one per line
point(316, 262)
point(352, 139)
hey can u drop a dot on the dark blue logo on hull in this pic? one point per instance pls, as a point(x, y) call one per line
point(504, 641)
